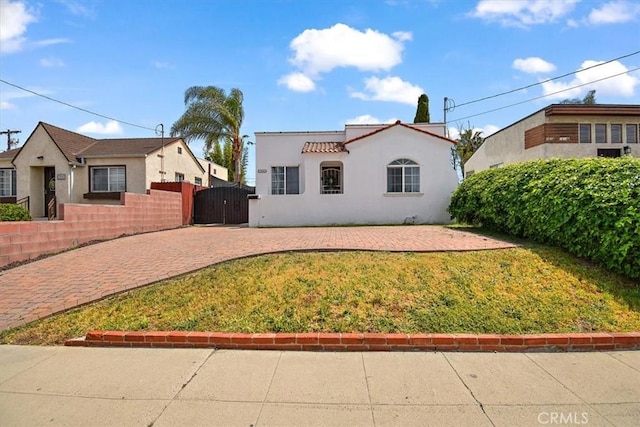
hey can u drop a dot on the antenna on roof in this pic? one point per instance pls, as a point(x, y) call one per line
point(10, 141)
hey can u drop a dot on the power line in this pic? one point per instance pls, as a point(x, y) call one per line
point(544, 96)
point(76, 107)
point(547, 80)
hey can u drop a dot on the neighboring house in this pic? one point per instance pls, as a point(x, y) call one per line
point(365, 174)
point(8, 181)
point(562, 131)
point(74, 168)
point(213, 171)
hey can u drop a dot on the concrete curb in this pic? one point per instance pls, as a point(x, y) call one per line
point(362, 341)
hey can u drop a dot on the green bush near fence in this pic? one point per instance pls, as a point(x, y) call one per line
point(11, 212)
point(591, 207)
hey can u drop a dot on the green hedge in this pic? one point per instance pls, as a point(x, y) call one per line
point(11, 212)
point(591, 207)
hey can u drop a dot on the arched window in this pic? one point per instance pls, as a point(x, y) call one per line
point(331, 178)
point(403, 176)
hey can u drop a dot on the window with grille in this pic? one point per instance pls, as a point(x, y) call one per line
point(403, 176)
point(331, 178)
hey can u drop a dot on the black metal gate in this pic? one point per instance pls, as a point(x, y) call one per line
point(222, 205)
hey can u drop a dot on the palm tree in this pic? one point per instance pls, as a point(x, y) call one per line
point(213, 116)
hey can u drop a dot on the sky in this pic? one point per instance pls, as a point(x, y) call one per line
point(306, 65)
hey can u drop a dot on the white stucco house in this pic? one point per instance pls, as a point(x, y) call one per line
point(365, 174)
point(562, 131)
point(56, 166)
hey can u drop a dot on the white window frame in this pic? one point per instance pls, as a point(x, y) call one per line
point(407, 169)
point(179, 177)
point(109, 169)
point(284, 186)
point(197, 180)
point(8, 182)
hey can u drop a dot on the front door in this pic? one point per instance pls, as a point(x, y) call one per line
point(49, 187)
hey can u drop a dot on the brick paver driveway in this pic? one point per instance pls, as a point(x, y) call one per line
point(57, 283)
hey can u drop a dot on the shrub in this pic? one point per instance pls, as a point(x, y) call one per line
point(591, 207)
point(11, 212)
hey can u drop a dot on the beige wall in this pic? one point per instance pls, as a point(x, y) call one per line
point(507, 146)
point(216, 170)
point(30, 171)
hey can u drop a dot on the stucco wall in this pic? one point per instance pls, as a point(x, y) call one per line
point(507, 146)
point(216, 170)
point(30, 171)
point(364, 199)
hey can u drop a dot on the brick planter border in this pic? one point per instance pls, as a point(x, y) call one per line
point(362, 341)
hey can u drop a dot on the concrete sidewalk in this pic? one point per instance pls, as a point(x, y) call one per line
point(142, 387)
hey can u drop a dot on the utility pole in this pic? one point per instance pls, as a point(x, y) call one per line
point(9, 132)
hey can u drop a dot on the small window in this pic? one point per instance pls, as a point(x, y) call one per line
point(601, 133)
point(609, 152)
point(8, 183)
point(179, 150)
point(616, 133)
point(108, 179)
point(632, 133)
point(331, 178)
point(285, 180)
point(197, 181)
point(585, 133)
point(179, 177)
point(497, 165)
point(469, 173)
point(403, 176)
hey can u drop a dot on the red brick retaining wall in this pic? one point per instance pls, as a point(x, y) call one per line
point(82, 223)
point(363, 342)
point(187, 190)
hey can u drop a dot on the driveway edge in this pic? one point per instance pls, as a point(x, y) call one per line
point(362, 341)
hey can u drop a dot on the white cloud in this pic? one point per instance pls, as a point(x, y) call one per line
point(623, 85)
point(51, 62)
point(389, 89)
point(110, 128)
point(297, 82)
point(77, 8)
point(533, 65)
point(320, 51)
point(614, 12)
point(403, 36)
point(14, 19)
point(6, 105)
point(487, 130)
point(522, 13)
point(367, 119)
point(163, 65)
point(50, 42)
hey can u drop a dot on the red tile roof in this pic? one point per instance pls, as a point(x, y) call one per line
point(324, 147)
